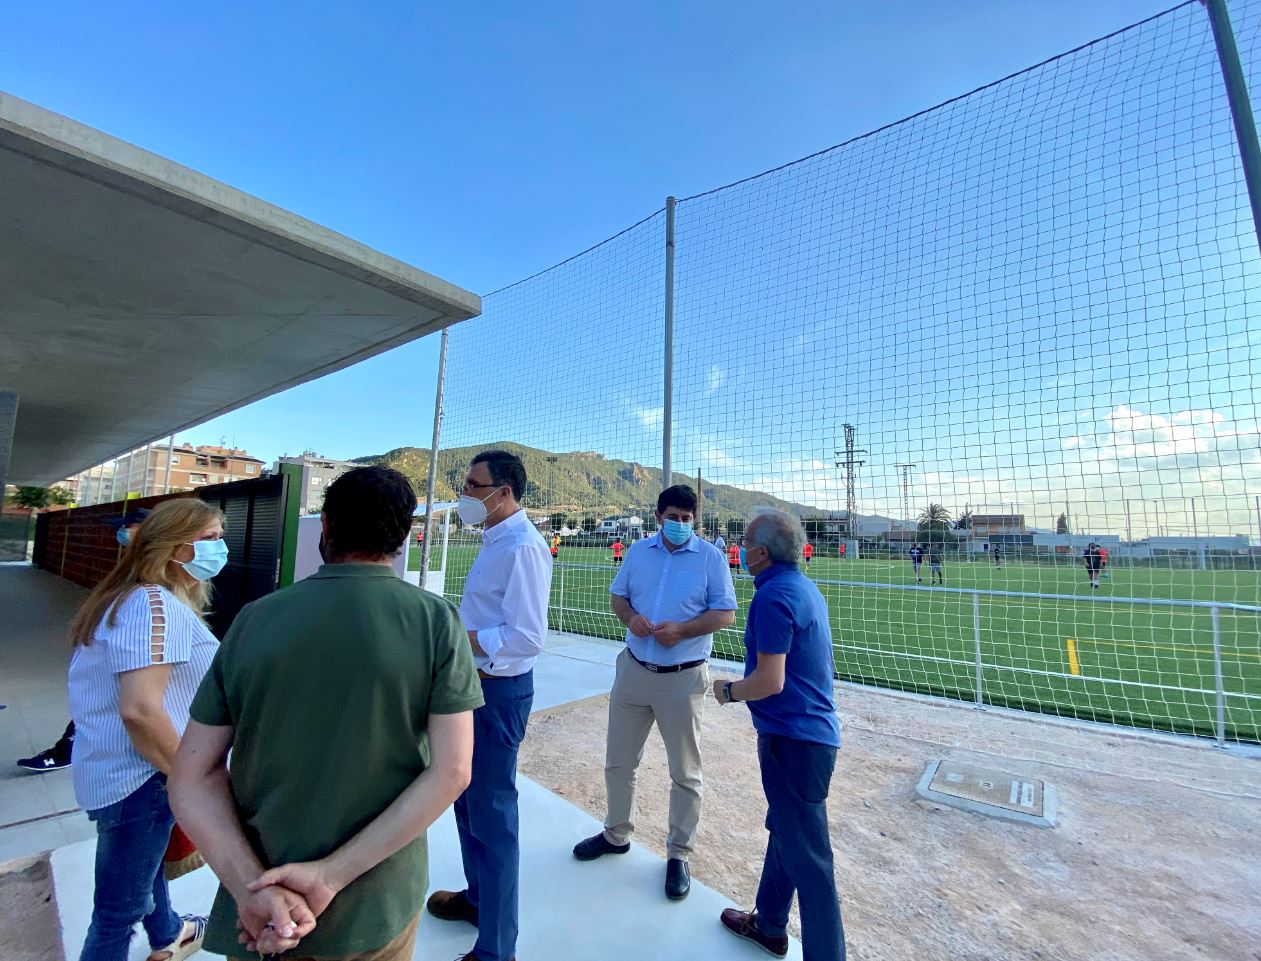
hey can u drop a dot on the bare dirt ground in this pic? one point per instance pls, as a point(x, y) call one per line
point(1157, 854)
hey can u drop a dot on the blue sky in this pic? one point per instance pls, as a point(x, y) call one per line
point(485, 141)
point(1039, 294)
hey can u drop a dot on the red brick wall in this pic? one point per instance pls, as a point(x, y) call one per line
point(81, 546)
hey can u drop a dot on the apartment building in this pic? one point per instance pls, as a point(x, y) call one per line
point(160, 468)
point(318, 472)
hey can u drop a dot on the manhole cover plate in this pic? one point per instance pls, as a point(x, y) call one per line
point(989, 791)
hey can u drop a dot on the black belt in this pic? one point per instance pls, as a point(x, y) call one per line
point(665, 668)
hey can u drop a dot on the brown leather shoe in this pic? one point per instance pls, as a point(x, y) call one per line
point(743, 924)
point(452, 906)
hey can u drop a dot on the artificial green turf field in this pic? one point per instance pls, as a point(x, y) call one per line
point(1146, 665)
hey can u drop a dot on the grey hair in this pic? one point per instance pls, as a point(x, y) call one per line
point(779, 532)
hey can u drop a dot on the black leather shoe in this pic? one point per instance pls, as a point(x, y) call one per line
point(678, 880)
point(597, 847)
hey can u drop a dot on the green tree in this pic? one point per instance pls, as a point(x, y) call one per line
point(557, 521)
point(964, 521)
point(1061, 524)
point(589, 524)
point(934, 525)
point(39, 498)
point(735, 528)
point(710, 523)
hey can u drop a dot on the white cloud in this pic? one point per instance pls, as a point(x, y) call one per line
point(650, 418)
point(715, 379)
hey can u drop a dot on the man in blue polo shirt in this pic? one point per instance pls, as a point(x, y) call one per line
point(672, 592)
point(788, 684)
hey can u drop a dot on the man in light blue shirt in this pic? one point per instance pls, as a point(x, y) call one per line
point(672, 592)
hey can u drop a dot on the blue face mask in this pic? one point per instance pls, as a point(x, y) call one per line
point(676, 532)
point(743, 566)
point(209, 558)
point(123, 536)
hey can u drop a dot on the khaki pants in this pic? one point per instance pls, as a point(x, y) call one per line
point(399, 949)
point(674, 701)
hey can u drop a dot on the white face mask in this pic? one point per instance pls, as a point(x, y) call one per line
point(472, 510)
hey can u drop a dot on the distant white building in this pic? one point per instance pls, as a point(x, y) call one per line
point(868, 528)
point(1152, 546)
point(1074, 543)
point(626, 526)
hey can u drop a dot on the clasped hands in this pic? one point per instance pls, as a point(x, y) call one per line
point(668, 633)
point(281, 906)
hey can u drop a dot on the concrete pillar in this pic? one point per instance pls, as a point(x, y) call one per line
point(8, 425)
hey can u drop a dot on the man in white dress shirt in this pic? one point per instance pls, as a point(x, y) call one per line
point(504, 608)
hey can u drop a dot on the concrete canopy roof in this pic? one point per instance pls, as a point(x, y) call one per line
point(141, 298)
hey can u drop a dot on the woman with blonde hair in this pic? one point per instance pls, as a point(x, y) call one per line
point(141, 648)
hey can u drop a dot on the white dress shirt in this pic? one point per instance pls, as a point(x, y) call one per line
point(506, 594)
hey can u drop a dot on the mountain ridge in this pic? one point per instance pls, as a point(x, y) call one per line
point(583, 482)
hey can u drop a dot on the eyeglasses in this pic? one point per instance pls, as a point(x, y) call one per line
point(473, 487)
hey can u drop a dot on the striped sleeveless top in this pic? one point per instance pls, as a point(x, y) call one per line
point(152, 626)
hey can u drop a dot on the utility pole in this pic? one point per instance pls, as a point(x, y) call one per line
point(1240, 105)
point(667, 400)
point(700, 502)
point(849, 463)
point(906, 489)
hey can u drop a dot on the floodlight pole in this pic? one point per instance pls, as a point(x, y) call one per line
point(170, 456)
point(667, 405)
point(433, 457)
point(906, 489)
point(1240, 105)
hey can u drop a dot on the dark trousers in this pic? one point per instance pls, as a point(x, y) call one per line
point(796, 776)
point(486, 814)
point(131, 838)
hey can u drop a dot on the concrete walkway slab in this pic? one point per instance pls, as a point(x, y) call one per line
point(38, 812)
point(609, 908)
point(573, 668)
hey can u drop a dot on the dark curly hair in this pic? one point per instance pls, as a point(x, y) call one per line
point(680, 495)
point(369, 511)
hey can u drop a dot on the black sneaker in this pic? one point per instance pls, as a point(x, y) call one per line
point(54, 759)
point(598, 846)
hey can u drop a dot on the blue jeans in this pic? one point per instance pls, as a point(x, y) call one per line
point(131, 838)
point(486, 814)
point(796, 776)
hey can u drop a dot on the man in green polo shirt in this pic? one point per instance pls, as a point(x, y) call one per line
point(346, 701)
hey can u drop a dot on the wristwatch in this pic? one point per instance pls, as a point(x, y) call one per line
point(728, 698)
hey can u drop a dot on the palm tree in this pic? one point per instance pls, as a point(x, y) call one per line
point(934, 525)
point(934, 516)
